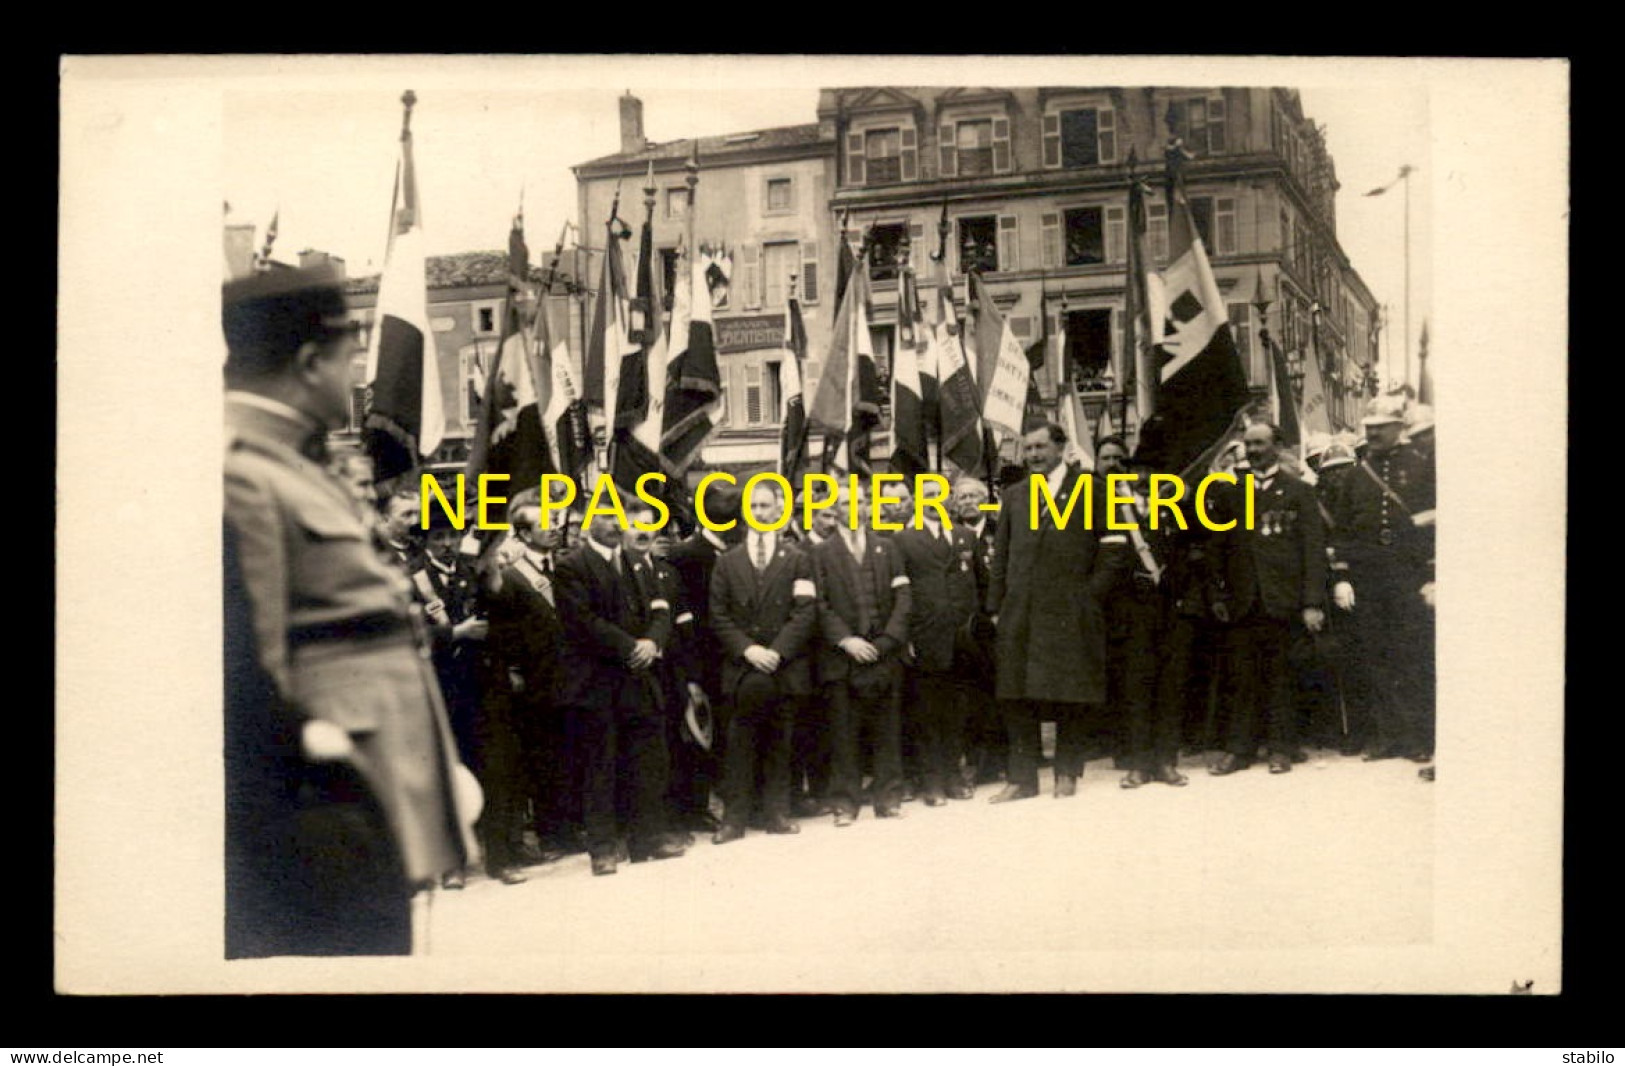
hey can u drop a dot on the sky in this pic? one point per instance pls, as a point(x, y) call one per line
point(319, 150)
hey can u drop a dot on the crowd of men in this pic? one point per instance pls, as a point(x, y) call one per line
point(621, 692)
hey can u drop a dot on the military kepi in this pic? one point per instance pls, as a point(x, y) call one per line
point(266, 317)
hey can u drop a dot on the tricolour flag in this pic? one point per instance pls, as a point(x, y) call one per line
point(1314, 416)
point(1080, 449)
point(960, 405)
point(1004, 393)
point(693, 379)
point(846, 406)
point(1140, 365)
point(793, 437)
point(564, 412)
point(404, 419)
point(1283, 404)
point(913, 329)
point(910, 454)
point(640, 396)
point(509, 438)
point(1201, 382)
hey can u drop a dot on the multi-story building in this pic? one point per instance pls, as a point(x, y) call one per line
point(1035, 183)
point(764, 196)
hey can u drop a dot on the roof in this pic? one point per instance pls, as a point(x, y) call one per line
point(778, 137)
point(458, 271)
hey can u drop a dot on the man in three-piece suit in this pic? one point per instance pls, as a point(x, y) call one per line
point(614, 631)
point(940, 564)
point(1274, 579)
point(863, 609)
point(1046, 595)
point(763, 609)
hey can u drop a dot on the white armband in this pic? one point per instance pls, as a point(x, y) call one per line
point(1424, 518)
point(1114, 538)
point(659, 605)
point(686, 616)
point(899, 581)
point(803, 587)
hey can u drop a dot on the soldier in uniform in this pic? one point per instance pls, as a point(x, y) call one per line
point(446, 586)
point(1384, 515)
point(344, 791)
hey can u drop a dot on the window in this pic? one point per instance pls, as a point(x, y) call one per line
point(883, 153)
point(485, 317)
point(1202, 215)
point(886, 250)
point(1009, 244)
point(1088, 347)
point(781, 196)
point(1200, 123)
point(974, 147)
point(668, 270)
point(1224, 226)
point(1079, 138)
point(677, 203)
point(1049, 238)
point(779, 261)
point(979, 244)
point(1085, 236)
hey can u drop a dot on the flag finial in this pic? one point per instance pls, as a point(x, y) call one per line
point(409, 100)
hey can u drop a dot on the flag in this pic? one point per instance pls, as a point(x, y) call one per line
point(1004, 389)
point(639, 404)
point(1080, 449)
point(509, 438)
point(910, 454)
point(1038, 354)
point(913, 330)
point(1201, 382)
point(1313, 415)
point(1140, 364)
point(1283, 404)
point(793, 436)
point(608, 339)
point(959, 404)
point(1424, 381)
point(693, 379)
point(564, 412)
point(846, 405)
point(404, 416)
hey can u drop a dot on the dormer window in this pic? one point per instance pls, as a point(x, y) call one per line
point(971, 147)
point(882, 155)
point(1080, 137)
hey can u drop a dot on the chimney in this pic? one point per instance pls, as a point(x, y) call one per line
point(310, 257)
point(631, 124)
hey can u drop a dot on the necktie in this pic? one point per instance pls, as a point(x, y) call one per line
point(760, 554)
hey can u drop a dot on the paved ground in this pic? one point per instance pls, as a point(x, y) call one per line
point(1337, 853)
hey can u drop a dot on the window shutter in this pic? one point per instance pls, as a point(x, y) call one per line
point(910, 165)
point(1215, 125)
point(1224, 226)
point(1009, 246)
point(1052, 140)
point(1050, 232)
point(750, 268)
point(854, 158)
point(753, 394)
point(809, 273)
point(947, 150)
point(916, 237)
point(1107, 131)
point(1114, 235)
point(1001, 146)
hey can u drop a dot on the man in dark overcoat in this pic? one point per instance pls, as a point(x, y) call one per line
point(1049, 579)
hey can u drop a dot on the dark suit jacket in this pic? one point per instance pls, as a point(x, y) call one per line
point(839, 610)
point(777, 609)
point(942, 585)
point(1277, 568)
point(525, 631)
point(694, 558)
point(603, 615)
point(1047, 588)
